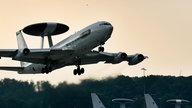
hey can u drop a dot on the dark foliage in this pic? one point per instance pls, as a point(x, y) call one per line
point(22, 94)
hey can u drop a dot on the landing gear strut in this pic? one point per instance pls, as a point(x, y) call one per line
point(47, 69)
point(101, 49)
point(79, 70)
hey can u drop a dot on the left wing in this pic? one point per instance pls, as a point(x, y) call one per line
point(47, 55)
point(7, 52)
point(114, 58)
point(36, 55)
point(12, 68)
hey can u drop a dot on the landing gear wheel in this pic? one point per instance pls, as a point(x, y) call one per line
point(75, 72)
point(82, 70)
point(78, 71)
point(101, 49)
point(46, 70)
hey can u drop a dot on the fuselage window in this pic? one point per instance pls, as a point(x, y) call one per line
point(85, 33)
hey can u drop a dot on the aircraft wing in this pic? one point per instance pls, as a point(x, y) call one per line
point(113, 58)
point(44, 55)
point(36, 55)
point(12, 68)
point(95, 57)
point(7, 52)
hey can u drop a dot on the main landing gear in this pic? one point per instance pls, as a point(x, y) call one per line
point(79, 70)
point(46, 70)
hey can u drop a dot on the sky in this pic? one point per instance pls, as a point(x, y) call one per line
point(159, 29)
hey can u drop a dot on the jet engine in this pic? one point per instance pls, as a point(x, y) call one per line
point(121, 56)
point(34, 69)
point(135, 59)
point(25, 51)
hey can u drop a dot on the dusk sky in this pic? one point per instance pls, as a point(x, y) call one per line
point(159, 29)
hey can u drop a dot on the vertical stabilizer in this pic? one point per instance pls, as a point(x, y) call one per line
point(150, 103)
point(21, 45)
point(96, 101)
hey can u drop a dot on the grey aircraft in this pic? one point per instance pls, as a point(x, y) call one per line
point(76, 49)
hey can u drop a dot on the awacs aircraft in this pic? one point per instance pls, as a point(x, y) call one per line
point(97, 103)
point(150, 103)
point(76, 50)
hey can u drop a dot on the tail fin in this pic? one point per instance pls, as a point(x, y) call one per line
point(21, 45)
point(150, 103)
point(96, 101)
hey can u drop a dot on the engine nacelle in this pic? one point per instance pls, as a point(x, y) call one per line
point(121, 56)
point(25, 51)
point(21, 53)
point(33, 69)
point(135, 59)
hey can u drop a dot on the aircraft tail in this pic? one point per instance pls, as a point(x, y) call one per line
point(150, 103)
point(96, 101)
point(21, 45)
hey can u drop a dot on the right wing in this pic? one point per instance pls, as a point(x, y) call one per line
point(113, 58)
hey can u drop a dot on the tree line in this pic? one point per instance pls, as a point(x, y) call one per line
point(24, 94)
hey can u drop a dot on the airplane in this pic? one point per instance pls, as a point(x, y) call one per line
point(77, 49)
point(97, 103)
point(178, 102)
point(150, 103)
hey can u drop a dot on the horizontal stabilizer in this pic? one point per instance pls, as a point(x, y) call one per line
point(12, 68)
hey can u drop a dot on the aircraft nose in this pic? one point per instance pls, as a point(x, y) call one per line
point(109, 30)
point(110, 27)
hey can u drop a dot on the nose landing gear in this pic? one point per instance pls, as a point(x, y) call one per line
point(101, 49)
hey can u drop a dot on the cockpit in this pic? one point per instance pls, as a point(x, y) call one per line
point(104, 23)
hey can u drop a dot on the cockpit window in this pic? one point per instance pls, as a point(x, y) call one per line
point(105, 23)
point(85, 33)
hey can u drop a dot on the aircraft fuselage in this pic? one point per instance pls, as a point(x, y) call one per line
point(87, 38)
